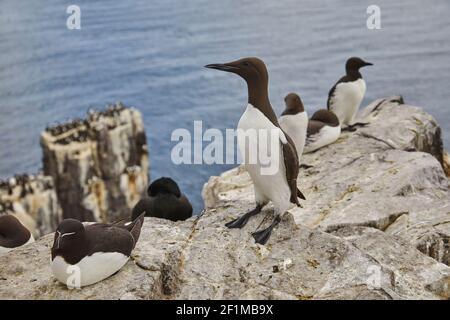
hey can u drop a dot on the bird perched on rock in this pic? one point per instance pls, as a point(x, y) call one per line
point(83, 254)
point(13, 234)
point(165, 201)
point(279, 185)
point(294, 121)
point(346, 95)
point(323, 129)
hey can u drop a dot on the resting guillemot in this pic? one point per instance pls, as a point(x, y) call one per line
point(13, 234)
point(165, 201)
point(346, 95)
point(323, 129)
point(281, 187)
point(96, 250)
point(294, 121)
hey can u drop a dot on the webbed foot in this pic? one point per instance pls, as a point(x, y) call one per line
point(263, 236)
point(242, 221)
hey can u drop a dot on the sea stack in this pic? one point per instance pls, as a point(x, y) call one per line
point(346, 95)
point(279, 186)
point(99, 165)
point(164, 201)
point(294, 121)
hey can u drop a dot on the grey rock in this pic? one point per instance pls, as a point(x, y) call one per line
point(201, 259)
point(374, 226)
point(25, 272)
point(386, 176)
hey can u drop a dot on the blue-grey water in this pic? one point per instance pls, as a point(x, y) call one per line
point(149, 54)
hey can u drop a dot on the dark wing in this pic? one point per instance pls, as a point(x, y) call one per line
point(291, 164)
point(313, 130)
point(332, 90)
point(135, 227)
point(107, 238)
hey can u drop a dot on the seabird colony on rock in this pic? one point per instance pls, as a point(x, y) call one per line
point(297, 134)
point(98, 250)
point(78, 130)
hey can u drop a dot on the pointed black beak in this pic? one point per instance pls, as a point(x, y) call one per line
point(223, 67)
point(367, 64)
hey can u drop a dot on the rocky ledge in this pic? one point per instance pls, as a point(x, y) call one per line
point(375, 225)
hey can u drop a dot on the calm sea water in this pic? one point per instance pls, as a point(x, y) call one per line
point(149, 54)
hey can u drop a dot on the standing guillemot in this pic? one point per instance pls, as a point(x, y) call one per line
point(323, 129)
point(346, 95)
point(96, 250)
point(281, 187)
point(294, 121)
point(165, 201)
point(13, 234)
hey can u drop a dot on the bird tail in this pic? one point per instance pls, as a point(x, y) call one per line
point(300, 194)
point(136, 226)
point(295, 196)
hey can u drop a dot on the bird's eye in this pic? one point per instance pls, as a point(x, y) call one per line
point(245, 63)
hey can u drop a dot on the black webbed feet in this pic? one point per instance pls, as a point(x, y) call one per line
point(263, 236)
point(238, 223)
point(242, 221)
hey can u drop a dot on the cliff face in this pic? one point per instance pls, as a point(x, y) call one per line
point(375, 225)
point(95, 169)
point(99, 165)
point(32, 199)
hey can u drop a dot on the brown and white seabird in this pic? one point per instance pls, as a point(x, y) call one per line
point(280, 187)
point(13, 234)
point(294, 121)
point(164, 201)
point(323, 129)
point(93, 252)
point(346, 95)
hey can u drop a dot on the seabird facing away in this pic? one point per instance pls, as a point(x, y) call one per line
point(323, 129)
point(13, 234)
point(294, 121)
point(281, 187)
point(346, 95)
point(93, 252)
point(165, 201)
